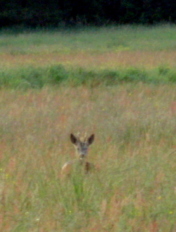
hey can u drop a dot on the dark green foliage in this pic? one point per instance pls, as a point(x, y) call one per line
point(33, 77)
point(93, 78)
point(172, 76)
point(134, 75)
point(56, 74)
point(167, 73)
point(68, 12)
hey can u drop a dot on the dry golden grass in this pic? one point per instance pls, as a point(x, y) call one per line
point(133, 189)
point(121, 59)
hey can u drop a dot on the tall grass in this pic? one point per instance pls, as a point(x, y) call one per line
point(133, 187)
point(116, 82)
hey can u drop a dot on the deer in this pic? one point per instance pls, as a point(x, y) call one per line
point(81, 146)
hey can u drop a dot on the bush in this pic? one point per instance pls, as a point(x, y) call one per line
point(134, 75)
point(56, 74)
point(37, 77)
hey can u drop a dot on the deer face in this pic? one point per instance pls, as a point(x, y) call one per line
point(82, 145)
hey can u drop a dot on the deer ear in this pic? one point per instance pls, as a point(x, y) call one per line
point(91, 139)
point(73, 139)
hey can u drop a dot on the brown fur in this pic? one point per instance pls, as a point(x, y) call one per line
point(81, 146)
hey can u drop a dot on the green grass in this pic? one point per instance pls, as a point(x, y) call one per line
point(57, 75)
point(130, 107)
point(94, 39)
point(133, 188)
point(88, 56)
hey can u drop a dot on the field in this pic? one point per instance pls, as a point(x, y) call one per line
point(121, 86)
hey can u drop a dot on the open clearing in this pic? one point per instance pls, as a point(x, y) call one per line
point(105, 47)
point(133, 188)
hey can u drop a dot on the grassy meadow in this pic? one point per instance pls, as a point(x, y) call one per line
point(106, 55)
point(115, 82)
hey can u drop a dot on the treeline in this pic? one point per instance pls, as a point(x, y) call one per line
point(44, 13)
